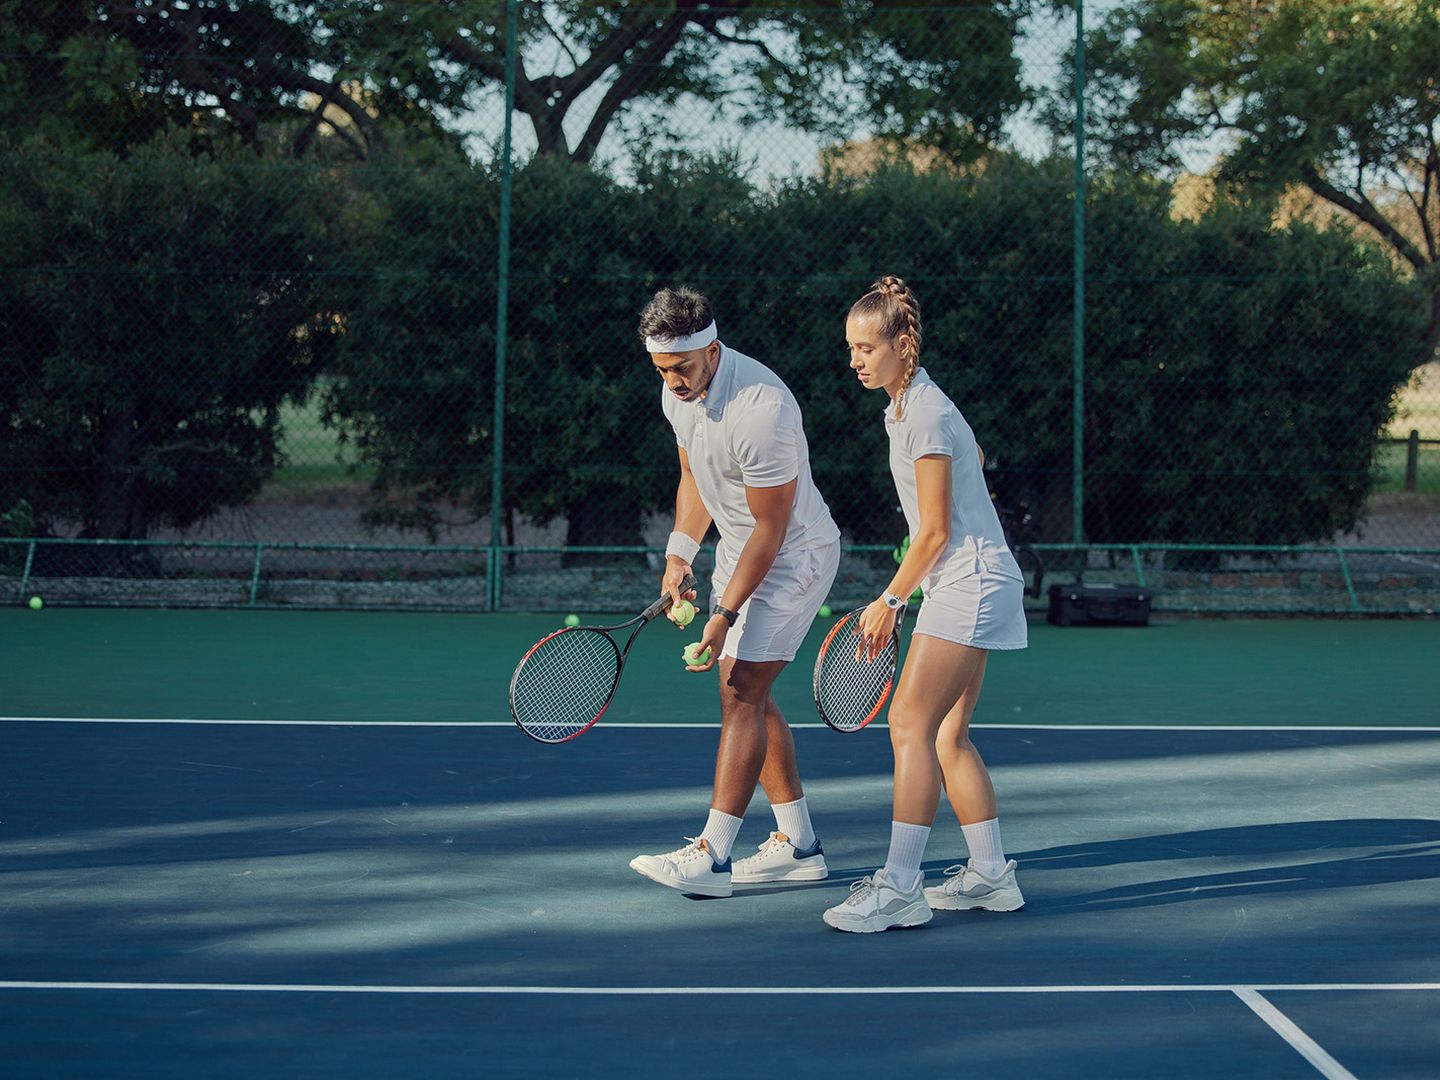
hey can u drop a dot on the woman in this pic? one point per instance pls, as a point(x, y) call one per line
point(973, 593)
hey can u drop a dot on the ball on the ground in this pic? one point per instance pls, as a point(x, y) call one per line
point(36, 603)
point(694, 656)
point(682, 613)
point(572, 620)
point(824, 612)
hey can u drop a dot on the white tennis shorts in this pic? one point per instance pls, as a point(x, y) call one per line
point(778, 615)
point(984, 610)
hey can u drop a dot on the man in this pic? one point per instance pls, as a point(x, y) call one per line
point(745, 466)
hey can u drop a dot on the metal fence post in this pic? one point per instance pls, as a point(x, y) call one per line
point(1078, 406)
point(502, 304)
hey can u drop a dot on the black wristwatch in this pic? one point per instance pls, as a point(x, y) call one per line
point(730, 616)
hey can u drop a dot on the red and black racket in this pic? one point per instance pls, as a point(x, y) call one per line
point(850, 692)
point(568, 679)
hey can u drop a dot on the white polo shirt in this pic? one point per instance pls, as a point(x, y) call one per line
point(747, 432)
point(933, 425)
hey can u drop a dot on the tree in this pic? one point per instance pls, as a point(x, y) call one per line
point(154, 315)
point(109, 75)
point(943, 74)
point(1339, 96)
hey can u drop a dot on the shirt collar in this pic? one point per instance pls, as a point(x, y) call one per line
point(722, 383)
point(920, 377)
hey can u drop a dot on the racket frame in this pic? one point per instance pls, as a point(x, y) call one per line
point(635, 625)
point(851, 619)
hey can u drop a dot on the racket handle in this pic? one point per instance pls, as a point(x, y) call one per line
point(662, 605)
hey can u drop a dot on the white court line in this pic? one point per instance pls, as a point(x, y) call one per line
point(650, 991)
point(1288, 1030)
point(1424, 729)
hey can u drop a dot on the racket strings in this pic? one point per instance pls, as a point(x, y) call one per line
point(849, 692)
point(564, 684)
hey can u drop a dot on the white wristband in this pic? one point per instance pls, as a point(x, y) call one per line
point(683, 546)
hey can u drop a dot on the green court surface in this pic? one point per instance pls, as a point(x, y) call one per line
point(338, 666)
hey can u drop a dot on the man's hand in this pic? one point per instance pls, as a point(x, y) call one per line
point(716, 630)
point(676, 571)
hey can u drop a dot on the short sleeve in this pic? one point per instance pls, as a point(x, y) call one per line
point(766, 441)
point(929, 430)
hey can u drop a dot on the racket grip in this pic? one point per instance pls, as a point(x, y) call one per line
point(663, 604)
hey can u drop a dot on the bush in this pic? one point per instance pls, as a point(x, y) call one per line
point(154, 314)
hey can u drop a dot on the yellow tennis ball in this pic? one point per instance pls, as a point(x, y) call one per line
point(824, 611)
point(694, 656)
point(36, 603)
point(572, 620)
point(682, 613)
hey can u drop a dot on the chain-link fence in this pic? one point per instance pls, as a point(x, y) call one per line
point(285, 323)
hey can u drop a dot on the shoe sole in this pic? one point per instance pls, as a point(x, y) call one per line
point(998, 902)
point(689, 888)
point(802, 873)
point(868, 926)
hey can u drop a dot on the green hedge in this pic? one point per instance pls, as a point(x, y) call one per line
point(156, 312)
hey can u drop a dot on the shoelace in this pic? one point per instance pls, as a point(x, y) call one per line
point(861, 890)
point(689, 851)
point(955, 878)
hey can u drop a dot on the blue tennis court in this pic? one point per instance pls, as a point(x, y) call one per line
point(213, 895)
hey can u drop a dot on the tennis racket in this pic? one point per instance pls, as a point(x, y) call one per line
point(568, 679)
point(849, 693)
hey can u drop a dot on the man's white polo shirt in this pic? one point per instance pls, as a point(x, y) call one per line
point(747, 431)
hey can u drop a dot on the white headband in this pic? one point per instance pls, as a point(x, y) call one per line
point(697, 340)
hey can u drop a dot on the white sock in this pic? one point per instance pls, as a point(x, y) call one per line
point(983, 840)
point(793, 819)
point(720, 832)
point(907, 848)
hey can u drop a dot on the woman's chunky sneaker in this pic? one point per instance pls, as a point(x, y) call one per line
point(779, 860)
point(875, 904)
point(965, 889)
point(692, 869)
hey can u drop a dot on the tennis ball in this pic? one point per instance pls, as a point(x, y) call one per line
point(693, 655)
point(36, 603)
point(824, 611)
point(572, 620)
point(682, 613)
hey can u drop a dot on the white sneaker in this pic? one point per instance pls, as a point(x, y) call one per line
point(779, 860)
point(692, 869)
point(875, 904)
point(964, 889)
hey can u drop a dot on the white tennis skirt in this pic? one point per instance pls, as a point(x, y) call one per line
point(984, 610)
point(778, 615)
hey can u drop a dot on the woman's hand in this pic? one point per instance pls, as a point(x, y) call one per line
point(876, 624)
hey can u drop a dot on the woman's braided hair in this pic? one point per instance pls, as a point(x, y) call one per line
point(892, 302)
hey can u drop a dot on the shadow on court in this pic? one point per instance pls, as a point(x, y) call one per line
point(326, 854)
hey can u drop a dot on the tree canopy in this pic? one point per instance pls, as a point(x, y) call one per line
point(109, 72)
point(1339, 96)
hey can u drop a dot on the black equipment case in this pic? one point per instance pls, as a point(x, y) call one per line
point(1099, 605)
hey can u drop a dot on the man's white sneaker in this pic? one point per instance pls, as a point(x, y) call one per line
point(876, 904)
point(779, 860)
point(964, 889)
point(691, 869)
